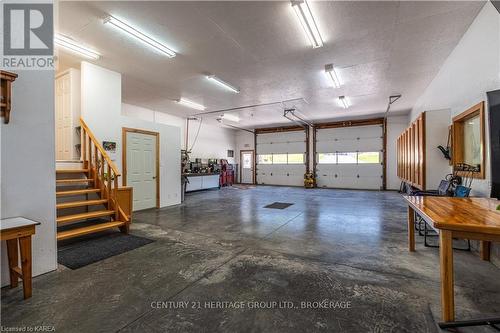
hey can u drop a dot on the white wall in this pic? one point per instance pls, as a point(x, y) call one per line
point(102, 111)
point(472, 69)
point(213, 140)
point(395, 126)
point(28, 165)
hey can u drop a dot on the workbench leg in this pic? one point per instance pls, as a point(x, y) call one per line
point(12, 254)
point(411, 229)
point(446, 263)
point(485, 248)
point(25, 247)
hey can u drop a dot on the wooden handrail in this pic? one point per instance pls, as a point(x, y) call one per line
point(102, 171)
point(99, 147)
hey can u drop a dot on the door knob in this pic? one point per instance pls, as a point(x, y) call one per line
point(154, 177)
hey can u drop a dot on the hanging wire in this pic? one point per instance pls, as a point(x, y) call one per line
point(196, 137)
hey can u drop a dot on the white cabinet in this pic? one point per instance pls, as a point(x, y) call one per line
point(197, 183)
point(210, 181)
point(67, 114)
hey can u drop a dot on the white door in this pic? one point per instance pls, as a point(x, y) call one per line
point(350, 157)
point(141, 169)
point(64, 120)
point(246, 167)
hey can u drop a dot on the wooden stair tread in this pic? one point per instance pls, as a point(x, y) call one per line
point(71, 170)
point(88, 229)
point(77, 192)
point(75, 180)
point(83, 216)
point(82, 203)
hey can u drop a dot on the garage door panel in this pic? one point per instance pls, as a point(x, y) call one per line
point(265, 148)
point(325, 146)
point(292, 147)
point(374, 144)
point(369, 132)
point(281, 137)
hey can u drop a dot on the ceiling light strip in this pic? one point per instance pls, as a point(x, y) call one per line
point(75, 47)
point(139, 35)
point(332, 75)
point(223, 83)
point(308, 22)
point(190, 104)
point(344, 102)
point(230, 117)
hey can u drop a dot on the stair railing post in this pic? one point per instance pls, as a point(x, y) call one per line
point(109, 182)
point(84, 149)
point(115, 197)
point(101, 167)
point(96, 152)
point(89, 166)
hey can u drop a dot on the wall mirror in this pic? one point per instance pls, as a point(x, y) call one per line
point(468, 151)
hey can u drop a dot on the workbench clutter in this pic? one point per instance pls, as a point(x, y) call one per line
point(202, 174)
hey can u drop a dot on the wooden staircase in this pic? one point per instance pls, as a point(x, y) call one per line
point(89, 199)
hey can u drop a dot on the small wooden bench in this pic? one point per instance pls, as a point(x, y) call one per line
point(12, 230)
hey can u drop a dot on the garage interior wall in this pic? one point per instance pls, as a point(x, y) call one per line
point(225, 138)
point(101, 110)
point(467, 74)
point(395, 125)
point(28, 186)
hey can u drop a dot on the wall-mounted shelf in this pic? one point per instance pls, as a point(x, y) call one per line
point(6, 91)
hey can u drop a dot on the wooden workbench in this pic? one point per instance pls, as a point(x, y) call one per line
point(466, 218)
point(14, 230)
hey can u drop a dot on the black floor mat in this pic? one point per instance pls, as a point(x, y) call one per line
point(95, 249)
point(279, 205)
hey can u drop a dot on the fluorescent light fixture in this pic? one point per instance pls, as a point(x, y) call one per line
point(332, 75)
point(344, 102)
point(139, 35)
point(190, 104)
point(75, 47)
point(308, 23)
point(222, 83)
point(230, 117)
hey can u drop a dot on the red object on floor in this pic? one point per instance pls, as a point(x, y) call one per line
point(226, 174)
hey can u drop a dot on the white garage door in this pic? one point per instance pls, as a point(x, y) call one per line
point(350, 157)
point(281, 158)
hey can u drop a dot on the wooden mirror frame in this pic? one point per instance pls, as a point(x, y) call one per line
point(458, 137)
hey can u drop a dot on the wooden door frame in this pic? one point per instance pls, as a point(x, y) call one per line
point(126, 130)
point(241, 165)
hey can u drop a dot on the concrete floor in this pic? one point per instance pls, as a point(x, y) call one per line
point(262, 266)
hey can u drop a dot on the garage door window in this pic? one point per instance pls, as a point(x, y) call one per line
point(371, 157)
point(327, 158)
point(347, 158)
point(279, 159)
point(265, 159)
point(295, 158)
